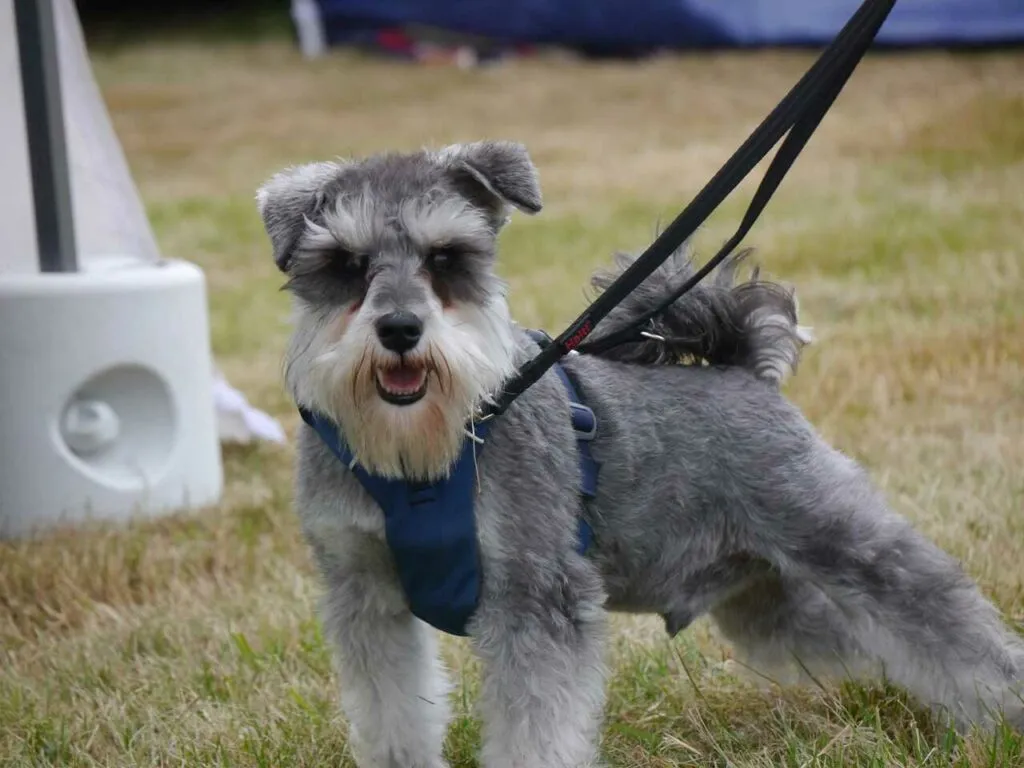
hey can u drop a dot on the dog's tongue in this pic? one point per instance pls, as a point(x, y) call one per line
point(405, 378)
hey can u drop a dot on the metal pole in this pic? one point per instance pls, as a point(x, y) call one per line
point(44, 121)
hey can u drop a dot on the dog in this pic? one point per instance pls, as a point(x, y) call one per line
point(715, 495)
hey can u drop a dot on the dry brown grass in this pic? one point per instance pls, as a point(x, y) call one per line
point(192, 640)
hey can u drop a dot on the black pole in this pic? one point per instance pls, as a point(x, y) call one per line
point(44, 121)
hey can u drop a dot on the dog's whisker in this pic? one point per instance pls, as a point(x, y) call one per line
point(449, 376)
point(476, 441)
point(357, 374)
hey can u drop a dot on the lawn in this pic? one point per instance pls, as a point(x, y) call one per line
point(192, 640)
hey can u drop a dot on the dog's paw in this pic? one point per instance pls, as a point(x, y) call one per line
point(391, 756)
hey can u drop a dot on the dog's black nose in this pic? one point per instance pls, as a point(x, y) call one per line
point(399, 331)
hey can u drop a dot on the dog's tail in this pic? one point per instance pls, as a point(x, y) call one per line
point(752, 324)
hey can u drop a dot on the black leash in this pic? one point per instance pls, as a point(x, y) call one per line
point(797, 115)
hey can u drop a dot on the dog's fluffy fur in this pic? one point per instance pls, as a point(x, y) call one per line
point(716, 495)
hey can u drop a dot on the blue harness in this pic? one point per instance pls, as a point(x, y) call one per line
point(430, 528)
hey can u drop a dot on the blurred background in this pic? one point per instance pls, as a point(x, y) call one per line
point(424, 30)
point(190, 637)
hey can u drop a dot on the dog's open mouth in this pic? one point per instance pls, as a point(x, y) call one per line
point(402, 384)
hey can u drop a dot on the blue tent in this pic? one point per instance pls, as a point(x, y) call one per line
point(639, 25)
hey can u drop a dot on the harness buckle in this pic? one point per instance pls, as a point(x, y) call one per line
point(584, 421)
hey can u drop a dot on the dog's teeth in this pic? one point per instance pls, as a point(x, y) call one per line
point(402, 381)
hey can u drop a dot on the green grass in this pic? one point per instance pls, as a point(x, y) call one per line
point(193, 639)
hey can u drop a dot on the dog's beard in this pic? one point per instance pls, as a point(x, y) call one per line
point(467, 352)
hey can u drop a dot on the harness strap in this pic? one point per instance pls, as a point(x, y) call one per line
point(584, 422)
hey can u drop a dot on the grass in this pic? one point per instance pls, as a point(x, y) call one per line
point(192, 640)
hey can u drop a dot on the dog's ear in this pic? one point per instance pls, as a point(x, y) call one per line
point(502, 168)
point(286, 200)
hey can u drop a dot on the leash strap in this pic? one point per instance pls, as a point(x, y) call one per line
point(798, 114)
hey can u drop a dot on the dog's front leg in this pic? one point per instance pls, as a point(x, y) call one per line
point(541, 640)
point(394, 690)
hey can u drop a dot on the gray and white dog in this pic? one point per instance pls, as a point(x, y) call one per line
point(715, 496)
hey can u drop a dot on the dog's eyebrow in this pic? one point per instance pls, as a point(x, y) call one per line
point(452, 220)
point(350, 223)
point(317, 237)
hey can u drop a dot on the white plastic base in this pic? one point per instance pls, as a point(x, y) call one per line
point(106, 404)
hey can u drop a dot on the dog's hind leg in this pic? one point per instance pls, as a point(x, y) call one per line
point(789, 631)
point(907, 603)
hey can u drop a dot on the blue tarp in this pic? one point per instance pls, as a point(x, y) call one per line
point(679, 24)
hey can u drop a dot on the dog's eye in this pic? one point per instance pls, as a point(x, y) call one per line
point(349, 263)
point(441, 258)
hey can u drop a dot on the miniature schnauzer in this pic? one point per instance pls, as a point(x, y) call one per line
point(715, 496)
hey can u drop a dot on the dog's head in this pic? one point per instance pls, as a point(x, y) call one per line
point(402, 328)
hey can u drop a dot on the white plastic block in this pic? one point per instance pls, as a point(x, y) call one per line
point(106, 405)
